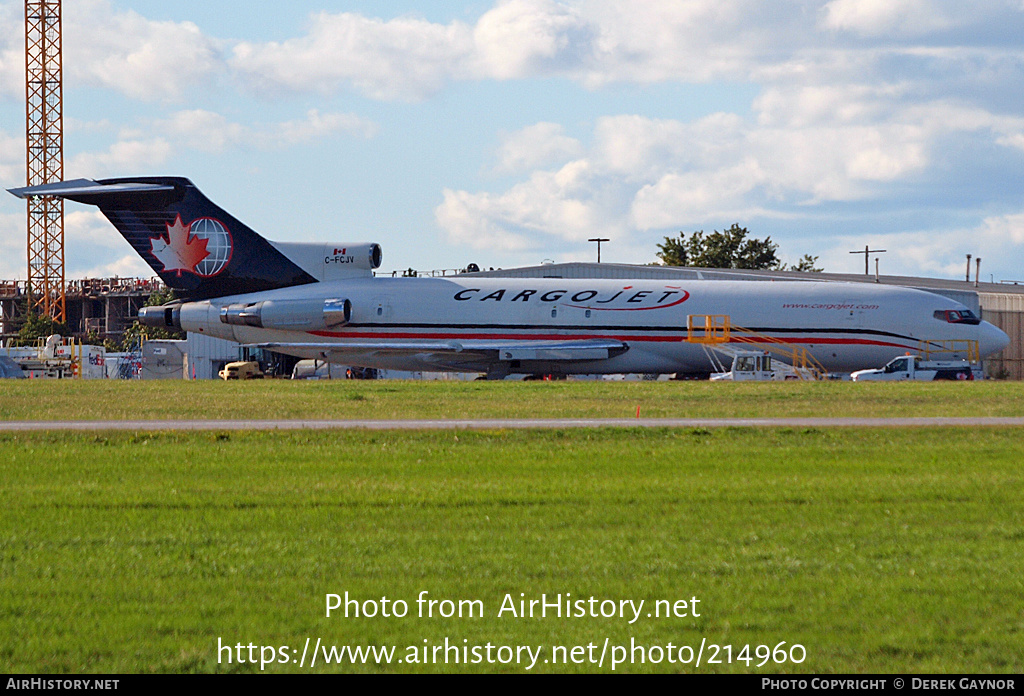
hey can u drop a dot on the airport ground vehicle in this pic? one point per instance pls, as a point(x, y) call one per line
point(243, 369)
point(759, 366)
point(917, 368)
point(321, 301)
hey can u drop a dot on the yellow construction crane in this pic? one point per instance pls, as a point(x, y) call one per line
point(44, 116)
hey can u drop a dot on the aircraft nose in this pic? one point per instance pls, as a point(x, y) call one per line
point(993, 339)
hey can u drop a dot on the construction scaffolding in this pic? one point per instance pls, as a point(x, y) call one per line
point(101, 307)
point(44, 116)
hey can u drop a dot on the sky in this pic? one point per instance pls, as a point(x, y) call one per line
point(509, 132)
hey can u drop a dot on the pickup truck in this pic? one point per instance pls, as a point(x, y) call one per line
point(758, 366)
point(917, 368)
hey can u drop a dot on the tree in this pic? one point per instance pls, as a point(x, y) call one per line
point(728, 249)
point(37, 326)
point(806, 265)
point(673, 251)
point(93, 338)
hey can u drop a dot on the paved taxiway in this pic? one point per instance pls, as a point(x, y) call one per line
point(507, 424)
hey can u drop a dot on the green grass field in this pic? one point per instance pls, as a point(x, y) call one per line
point(91, 400)
point(894, 550)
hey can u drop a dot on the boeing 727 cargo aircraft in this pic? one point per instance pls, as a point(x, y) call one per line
point(321, 300)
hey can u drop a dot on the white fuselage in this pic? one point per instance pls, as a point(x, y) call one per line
point(845, 326)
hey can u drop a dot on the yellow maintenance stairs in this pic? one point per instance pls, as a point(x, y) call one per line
point(950, 350)
point(717, 333)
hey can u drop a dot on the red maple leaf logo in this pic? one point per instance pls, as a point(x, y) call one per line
point(181, 250)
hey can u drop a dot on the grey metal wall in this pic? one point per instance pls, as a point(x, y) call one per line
point(1007, 312)
point(208, 355)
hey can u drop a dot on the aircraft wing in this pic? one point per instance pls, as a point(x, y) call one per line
point(467, 354)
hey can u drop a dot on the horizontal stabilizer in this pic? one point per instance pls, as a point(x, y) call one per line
point(81, 189)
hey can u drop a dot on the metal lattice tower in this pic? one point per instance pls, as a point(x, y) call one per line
point(44, 116)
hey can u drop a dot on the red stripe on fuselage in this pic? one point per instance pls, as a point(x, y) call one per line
point(584, 337)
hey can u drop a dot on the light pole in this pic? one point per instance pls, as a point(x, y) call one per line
point(866, 252)
point(598, 240)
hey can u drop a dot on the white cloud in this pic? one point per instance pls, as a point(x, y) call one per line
point(642, 149)
point(12, 50)
point(141, 58)
point(74, 126)
point(559, 203)
point(837, 164)
point(885, 17)
point(697, 197)
point(402, 58)
point(90, 244)
point(684, 40)
point(997, 231)
point(147, 147)
point(938, 253)
point(596, 42)
point(316, 126)
point(115, 49)
point(1013, 140)
point(592, 41)
point(804, 148)
point(212, 132)
point(834, 142)
point(536, 146)
point(465, 216)
point(91, 228)
point(127, 266)
point(645, 174)
point(202, 130)
point(123, 157)
point(520, 38)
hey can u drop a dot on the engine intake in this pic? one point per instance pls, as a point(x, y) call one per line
point(163, 317)
point(303, 315)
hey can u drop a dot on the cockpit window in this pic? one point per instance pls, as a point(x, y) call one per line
point(956, 316)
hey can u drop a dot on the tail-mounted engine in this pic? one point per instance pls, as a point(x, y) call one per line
point(163, 317)
point(327, 262)
point(301, 315)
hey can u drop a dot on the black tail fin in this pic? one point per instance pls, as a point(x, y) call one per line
point(195, 246)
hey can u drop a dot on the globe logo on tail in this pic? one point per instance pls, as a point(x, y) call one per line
point(203, 247)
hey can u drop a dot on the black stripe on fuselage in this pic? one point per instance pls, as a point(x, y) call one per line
point(600, 328)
